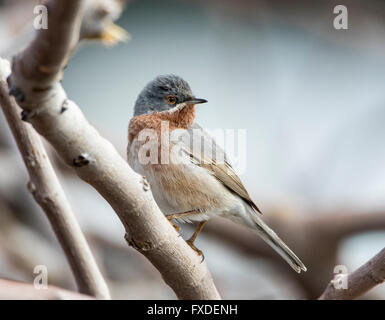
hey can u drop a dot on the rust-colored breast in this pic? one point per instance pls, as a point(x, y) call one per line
point(181, 119)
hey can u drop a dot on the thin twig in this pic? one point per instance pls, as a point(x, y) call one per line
point(48, 193)
point(360, 281)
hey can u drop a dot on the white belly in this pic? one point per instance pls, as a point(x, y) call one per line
point(179, 188)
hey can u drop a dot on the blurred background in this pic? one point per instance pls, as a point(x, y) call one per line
point(310, 97)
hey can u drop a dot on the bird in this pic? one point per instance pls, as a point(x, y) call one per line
point(190, 184)
point(98, 22)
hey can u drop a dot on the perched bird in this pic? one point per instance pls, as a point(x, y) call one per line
point(188, 183)
point(98, 22)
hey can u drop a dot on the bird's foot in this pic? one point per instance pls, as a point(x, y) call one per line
point(176, 227)
point(192, 246)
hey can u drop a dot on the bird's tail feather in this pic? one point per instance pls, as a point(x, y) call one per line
point(271, 238)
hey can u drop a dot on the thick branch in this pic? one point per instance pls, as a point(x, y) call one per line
point(64, 18)
point(48, 193)
point(13, 290)
point(360, 281)
point(60, 121)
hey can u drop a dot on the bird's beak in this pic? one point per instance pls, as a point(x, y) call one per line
point(196, 101)
point(112, 34)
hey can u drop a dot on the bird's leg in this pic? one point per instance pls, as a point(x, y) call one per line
point(181, 215)
point(190, 241)
point(176, 227)
point(173, 216)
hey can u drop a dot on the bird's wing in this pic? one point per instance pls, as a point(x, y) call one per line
point(203, 151)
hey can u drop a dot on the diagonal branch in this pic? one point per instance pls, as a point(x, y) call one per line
point(35, 84)
point(360, 281)
point(48, 193)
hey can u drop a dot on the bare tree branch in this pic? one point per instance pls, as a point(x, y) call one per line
point(48, 193)
point(360, 281)
point(35, 85)
point(14, 290)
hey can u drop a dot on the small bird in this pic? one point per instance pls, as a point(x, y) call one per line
point(190, 185)
point(98, 22)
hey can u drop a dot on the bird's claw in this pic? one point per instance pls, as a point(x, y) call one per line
point(199, 252)
point(176, 227)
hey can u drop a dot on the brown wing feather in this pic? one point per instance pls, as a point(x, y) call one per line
point(226, 174)
point(223, 171)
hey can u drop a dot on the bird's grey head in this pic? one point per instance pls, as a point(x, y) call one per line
point(168, 92)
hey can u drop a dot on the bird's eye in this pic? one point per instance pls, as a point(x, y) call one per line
point(171, 99)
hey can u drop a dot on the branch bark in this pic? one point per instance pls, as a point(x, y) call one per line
point(48, 193)
point(360, 281)
point(34, 82)
point(14, 290)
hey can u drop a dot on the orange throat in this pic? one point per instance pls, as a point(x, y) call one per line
point(179, 119)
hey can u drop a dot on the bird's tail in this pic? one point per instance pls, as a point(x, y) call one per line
point(270, 237)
